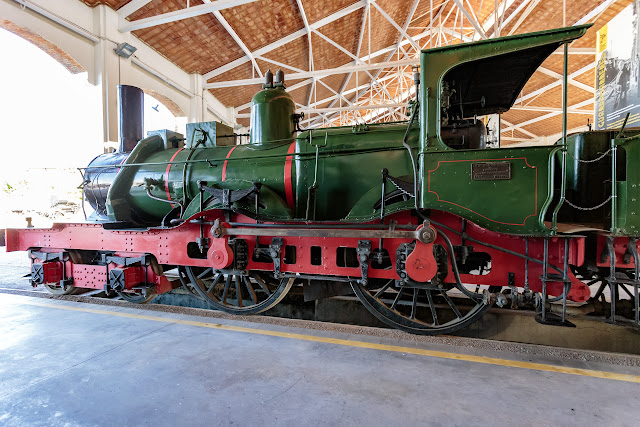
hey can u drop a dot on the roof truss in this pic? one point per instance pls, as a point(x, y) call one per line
point(383, 82)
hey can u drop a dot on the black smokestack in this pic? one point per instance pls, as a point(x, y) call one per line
point(131, 116)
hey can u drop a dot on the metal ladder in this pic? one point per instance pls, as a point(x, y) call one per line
point(614, 281)
point(632, 247)
point(548, 318)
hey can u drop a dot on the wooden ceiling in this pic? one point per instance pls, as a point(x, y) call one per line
point(202, 44)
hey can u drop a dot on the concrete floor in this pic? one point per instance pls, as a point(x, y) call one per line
point(67, 363)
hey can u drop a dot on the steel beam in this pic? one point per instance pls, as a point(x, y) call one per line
point(178, 15)
point(470, 18)
point(311, 62)
point(526, 132)
point(547, 116)
point(350, 91)
point(551, 110)
point(280, 64)
point(525, 14)
point(317, 73)
point(60, 21)
point(402, 31)
point(322, 101)
point(515, 12)
point(281, 42)
point(554, 84)
point(595, 12)
point(340, 109)
point(511, 138)
point(577, 51)
point(558, 76)
point(131, 7)
point(337, 46)
point(360, 38)
point(334, 91)
point(236, 38)
point(398, 44)
point(530, 5)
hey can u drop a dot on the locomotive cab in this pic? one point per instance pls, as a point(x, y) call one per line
point(488, 84)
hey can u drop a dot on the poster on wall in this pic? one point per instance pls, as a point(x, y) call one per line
point(618, 62)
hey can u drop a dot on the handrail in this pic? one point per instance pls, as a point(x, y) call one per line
point(563, 183)
point(563, 189)
point(550, 188)
point(614, 175)
point(614, 186)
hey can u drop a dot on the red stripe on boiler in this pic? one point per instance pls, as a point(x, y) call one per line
point(288, 179)
point(166, 175)
point(224, 167)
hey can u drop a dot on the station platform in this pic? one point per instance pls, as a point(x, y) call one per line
point(70, 363)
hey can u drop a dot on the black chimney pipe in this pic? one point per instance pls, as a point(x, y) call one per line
point(130, 116)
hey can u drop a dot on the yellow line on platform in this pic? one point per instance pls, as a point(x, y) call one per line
point(361, 344)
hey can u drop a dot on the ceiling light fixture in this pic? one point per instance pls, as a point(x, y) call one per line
point(125, 50)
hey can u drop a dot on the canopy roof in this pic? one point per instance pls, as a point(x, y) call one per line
point(491, 83)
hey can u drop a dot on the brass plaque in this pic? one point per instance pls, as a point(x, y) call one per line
point(490, 171)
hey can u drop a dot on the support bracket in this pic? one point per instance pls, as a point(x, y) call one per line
point(364, 254)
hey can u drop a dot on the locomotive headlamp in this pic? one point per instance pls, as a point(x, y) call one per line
point(125, 50)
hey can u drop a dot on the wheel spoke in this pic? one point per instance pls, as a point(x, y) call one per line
point(236, 292)
point(600, 290)
point(407, 308)
point(451, 304)
point(395, 301)
point(239, 291)
point(414, 304)
point(252, 292)
point(216, 280)
point(624, 288)
point(432, 307)
point(384, 288)
point(204, 273)
point(262, 284)
point(225, 292)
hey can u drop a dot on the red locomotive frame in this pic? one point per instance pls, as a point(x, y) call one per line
point(169, 246)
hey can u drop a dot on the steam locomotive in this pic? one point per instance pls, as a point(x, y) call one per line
point(423, 222)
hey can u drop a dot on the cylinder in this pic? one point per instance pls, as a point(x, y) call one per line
point(131, 116)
